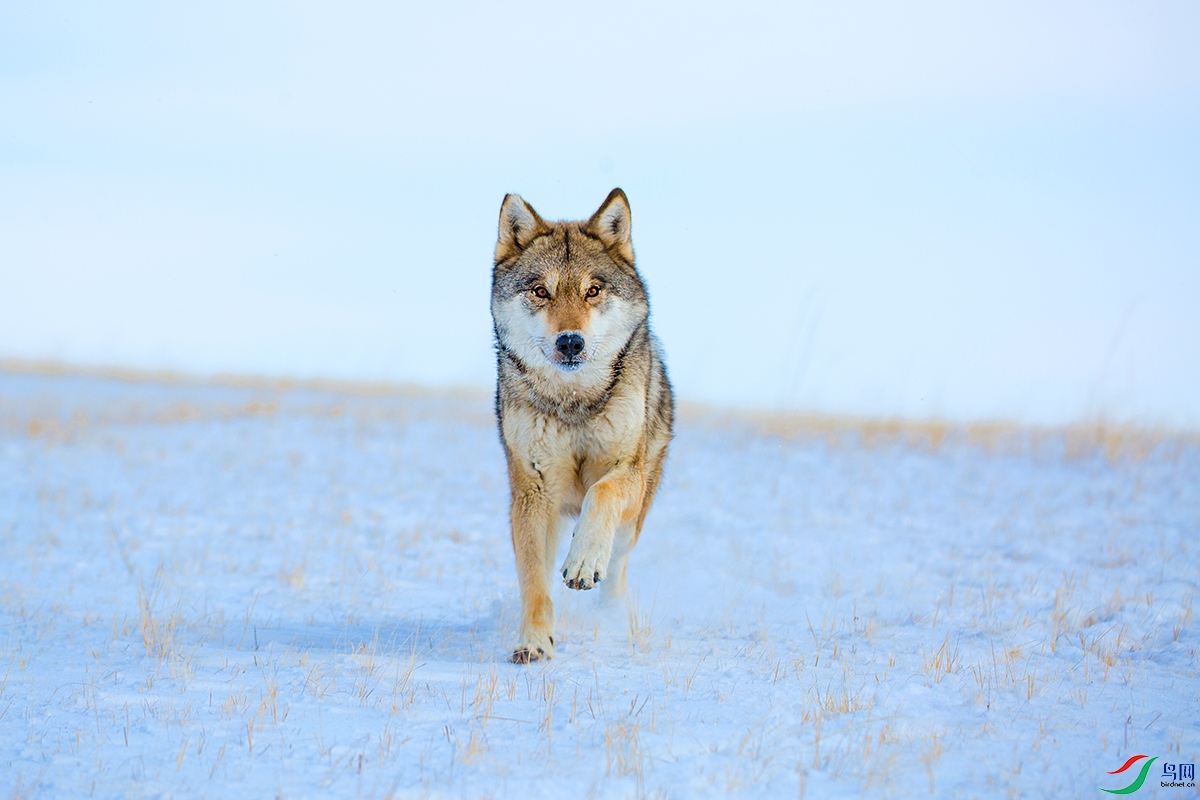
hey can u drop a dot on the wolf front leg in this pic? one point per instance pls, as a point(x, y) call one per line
point(610, 506)
point(534, 531)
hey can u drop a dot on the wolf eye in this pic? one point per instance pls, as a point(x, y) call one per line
point(541, 292)
point(593, 291)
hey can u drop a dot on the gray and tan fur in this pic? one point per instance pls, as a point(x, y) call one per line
point(582, 399)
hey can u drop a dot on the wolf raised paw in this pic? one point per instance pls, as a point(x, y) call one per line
point(585, 569)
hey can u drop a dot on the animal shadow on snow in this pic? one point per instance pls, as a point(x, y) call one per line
point(457, 640)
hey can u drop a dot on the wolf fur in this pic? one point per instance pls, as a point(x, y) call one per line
point(582, 399)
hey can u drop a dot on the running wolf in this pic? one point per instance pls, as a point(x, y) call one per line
point(582, 399)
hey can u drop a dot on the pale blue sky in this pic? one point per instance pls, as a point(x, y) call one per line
point(946, 209)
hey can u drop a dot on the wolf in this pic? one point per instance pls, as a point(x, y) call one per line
point(583, 403)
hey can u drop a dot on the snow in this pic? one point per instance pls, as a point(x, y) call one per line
point(253, 590)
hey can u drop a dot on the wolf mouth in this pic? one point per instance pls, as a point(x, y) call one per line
point(570, 365)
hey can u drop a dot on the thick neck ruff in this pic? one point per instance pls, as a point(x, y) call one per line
point(571, 405)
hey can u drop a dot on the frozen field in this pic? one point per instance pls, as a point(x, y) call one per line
point(223, 592)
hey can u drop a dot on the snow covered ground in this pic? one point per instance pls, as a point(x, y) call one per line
point(223, 591)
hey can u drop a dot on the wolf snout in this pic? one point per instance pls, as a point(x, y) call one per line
point(570, 345)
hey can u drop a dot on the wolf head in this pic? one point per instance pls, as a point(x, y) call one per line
point(566, 296)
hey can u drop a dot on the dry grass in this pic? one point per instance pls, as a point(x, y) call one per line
point(1115, 441)
point(62, 425)
point(624, 754)
point(641, 627)
point(158, 629)
point(940, 661)
point(230, 380)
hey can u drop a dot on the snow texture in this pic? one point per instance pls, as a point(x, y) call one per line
point(223, 591)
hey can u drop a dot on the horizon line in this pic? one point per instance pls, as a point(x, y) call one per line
point(1100, 431)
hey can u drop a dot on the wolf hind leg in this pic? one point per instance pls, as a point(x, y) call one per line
point(612, 590)
point(614, 584)
point(555, 535)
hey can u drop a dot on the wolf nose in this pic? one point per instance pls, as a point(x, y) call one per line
point(569, 344)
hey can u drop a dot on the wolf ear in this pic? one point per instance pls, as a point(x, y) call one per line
point(519, 224)
point(611, 224)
